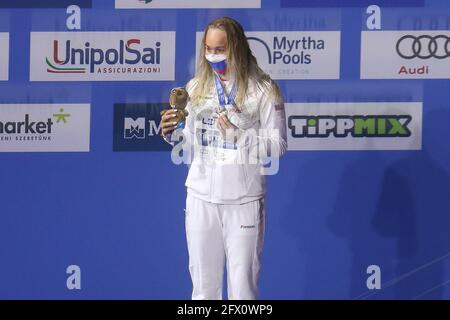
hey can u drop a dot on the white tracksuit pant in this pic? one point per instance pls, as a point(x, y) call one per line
point(219, 233)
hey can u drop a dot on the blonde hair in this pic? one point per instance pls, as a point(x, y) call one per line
point(241, 62)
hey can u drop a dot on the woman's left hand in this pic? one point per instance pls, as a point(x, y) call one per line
point(227, 129)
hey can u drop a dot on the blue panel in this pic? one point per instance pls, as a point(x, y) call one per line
point(350, 3)
point(45, 3)
point(117, 210)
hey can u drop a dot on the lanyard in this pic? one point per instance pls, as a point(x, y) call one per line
point(223, 100)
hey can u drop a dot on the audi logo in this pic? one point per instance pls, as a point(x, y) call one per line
point(423, 47)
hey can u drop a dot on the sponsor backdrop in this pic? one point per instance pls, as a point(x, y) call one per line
point(92, 205)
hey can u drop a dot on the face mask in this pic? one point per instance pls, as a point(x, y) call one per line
point(218, 62)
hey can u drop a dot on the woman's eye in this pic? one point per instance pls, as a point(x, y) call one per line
point(215, 51)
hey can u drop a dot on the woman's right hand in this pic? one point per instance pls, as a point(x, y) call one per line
point(168, 123)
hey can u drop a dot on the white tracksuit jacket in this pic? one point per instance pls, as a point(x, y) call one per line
point(223, 175)
point(225, 210)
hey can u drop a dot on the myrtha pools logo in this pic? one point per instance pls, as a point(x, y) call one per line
point(102, 56)
point(137, 127)
point(295, 54)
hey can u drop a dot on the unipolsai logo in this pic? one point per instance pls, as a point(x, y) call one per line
point(126, 53)
point(297, 55)
point(102, 56)
point(41, 127)
point(137, 127)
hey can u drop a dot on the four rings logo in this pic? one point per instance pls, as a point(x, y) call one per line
point(423, 47)
point(408, 54)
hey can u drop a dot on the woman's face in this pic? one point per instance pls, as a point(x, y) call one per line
point(216, 42)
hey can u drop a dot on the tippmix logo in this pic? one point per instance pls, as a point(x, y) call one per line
point(102, 56)
point(354, 126)
point(349, 125)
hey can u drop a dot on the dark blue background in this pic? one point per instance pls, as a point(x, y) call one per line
point(149, 111)
point(119, 215)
